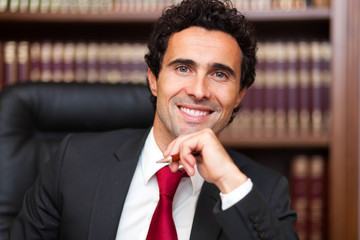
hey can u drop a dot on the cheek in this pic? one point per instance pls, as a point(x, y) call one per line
point(169, 87)
point(227, 99)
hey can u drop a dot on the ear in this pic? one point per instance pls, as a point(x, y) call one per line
point(152, 82)
point(240, 97)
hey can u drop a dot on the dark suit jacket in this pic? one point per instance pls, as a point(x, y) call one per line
point(81, 192)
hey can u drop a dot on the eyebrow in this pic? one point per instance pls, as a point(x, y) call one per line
point(223, 67)
point(192, 63)
point(182, 61)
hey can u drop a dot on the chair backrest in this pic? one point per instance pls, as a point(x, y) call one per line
point(34, 118)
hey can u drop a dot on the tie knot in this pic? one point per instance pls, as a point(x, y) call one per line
point(169, 181)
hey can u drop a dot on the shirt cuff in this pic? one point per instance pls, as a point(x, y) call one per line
point(228, 200)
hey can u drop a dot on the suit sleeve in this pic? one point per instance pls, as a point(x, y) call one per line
point(255, 218)
point(40, 215)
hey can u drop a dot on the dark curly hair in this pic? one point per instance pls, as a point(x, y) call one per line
point(211, 15)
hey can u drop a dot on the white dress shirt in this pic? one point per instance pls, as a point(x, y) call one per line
point(143, 196)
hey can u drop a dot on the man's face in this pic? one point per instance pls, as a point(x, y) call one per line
point(198, 84)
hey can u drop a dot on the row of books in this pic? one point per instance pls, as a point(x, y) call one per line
point(308, 180)
point(113, 6)
point(72, 61)
point(290, 96)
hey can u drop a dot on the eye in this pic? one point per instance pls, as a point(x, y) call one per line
point(183, 69)
point(220, 75)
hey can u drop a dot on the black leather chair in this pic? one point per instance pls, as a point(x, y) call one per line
point(34, 118)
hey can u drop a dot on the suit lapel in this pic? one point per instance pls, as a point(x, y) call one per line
point(112, 188)
point(205, 225)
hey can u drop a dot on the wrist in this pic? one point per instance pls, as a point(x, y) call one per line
point(231, 181)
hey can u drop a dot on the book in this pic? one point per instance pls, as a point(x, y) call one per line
point(80, 62)
point(46, 57)
point(69, 62)
point(92, 56)
point(57, 61)
point(3, 5)
point(325, 52)
point(270, 88)
point(316, 113)
point(35, 61)
point(10, 63)
point(23, 61)
point(103, 62)
point(257, 98)
point(299, 184)
point(304, 87)
point(292, 83)
point(280, 90)
point(34, 6)
point(24, 5)
point(14, 5)
point(317, 194)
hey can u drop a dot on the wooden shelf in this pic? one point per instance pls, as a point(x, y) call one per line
point(309, 14)
point(239, 141)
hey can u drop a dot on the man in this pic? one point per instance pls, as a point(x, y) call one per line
point(103, 186)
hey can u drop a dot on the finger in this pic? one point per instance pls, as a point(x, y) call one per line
point(174, 166)
point(174, 147)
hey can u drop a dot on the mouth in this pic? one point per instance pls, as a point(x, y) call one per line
point(197, 113)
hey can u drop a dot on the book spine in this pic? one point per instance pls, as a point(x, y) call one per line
point(304, 80)
point(35, 61)
point(14, 5)
point(316, 113)
point(103, 62)
point(24, 5)
point(299, 177)
point(124, 61)
point(10, 63)
point(291, 89)
point(92, 63)
point(139, 66)
point(44, 6)
point(316, 198)
point(69, 62)
point(258, 94)
point(84, 6)
point(80, 62)
point(23, 61)
point(34, 6)
point(3, 5)
point(326, 52)
point(269, 89)
point(65, 6)
point(58, 60)
point(55, 6)
point(280, 115)
point(46, 68)
point(114, 74)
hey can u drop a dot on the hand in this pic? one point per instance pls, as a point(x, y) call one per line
point(204, 149)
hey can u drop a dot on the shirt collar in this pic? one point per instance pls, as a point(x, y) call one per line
point(151, 153)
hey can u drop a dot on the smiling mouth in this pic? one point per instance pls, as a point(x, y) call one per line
point(194, 113)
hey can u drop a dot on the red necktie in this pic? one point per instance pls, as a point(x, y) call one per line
point(162, 225)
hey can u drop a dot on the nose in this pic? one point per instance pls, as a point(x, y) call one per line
point(199, 88)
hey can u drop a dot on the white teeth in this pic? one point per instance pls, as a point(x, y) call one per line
point(193, 112)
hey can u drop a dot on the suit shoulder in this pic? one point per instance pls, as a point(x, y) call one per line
point(104, 140)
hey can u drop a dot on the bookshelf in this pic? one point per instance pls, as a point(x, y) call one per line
point(338, 24)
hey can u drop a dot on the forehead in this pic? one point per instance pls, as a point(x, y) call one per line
point(204, 47)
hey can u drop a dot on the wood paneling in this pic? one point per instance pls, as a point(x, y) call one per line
point(343, 198)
